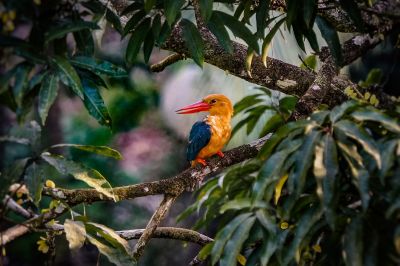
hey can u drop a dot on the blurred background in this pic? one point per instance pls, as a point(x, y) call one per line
point(151, 139)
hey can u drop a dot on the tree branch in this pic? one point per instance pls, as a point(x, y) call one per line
point(171, 186)
point(169, 60)
point(152, 225)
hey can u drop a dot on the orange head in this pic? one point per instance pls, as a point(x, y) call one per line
point(215, 104)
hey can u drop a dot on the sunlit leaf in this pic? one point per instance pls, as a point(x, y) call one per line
point(267, 41)
point(90, 176)
point(75, 233)
point(101, 150)
point(279, 186)
point(378, 117)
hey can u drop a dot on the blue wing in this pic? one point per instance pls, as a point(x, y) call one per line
point(199, 136)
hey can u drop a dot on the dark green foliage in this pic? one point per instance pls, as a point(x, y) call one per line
point(193, 41)
point(331, 198)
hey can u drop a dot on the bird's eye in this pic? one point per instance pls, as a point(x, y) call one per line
point(213, 101)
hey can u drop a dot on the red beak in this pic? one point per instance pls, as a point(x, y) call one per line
point(194, 108)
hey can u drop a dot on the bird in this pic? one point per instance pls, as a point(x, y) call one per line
point(209, 136)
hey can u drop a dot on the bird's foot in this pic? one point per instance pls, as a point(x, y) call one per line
point(201, 161)
point(220, 154)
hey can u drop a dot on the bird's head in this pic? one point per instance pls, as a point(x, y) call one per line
point(215, 104)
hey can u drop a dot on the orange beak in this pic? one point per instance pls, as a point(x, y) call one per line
point(194, 108)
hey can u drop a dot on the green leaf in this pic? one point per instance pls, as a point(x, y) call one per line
point(156, 26)
point(279, 135)
point(47, 95)
point(234, 245)
point(133, 21)
point(193, 41)
point(206, 7)
point(12, 174)
point(132, 7)
point(115, 248)
point(34, 178)
point(388, 151)
point(361, 136)
point(136, 40)
point(100, 9)
point(148, 5)
point(37, 79)
point(172, 9)
point(224, 235)
point(80, 172)
point(101, 150)
point(205, 251)
point(5, 79)
point(353, 242)
point(352, 9)
point(246, 102)
point(31, 55)
point(216, 26)
point(148, 46)
point(100, 67)
point(164, 33)
point(268, 39)
point(69, 73)
point(94, 103)
point(238, 29)
point(303, 226)
point(287, 104)
point(261, 17)
point(331, 37)
point(304, 160)
point(310, 62)
point(272, 123)
point(240, 124)
point(310, 10)
point(339, 111)
point(242, 203)
point(326, 169)
point(21, 82)
point(378, 117)
point(75, 233)
point(63, 29)
point(84, 41)
point(312, 39)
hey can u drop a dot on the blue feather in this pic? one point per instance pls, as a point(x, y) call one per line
point(199, 136)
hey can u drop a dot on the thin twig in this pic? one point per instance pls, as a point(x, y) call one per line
point(169, 60)
point(155, 220)
point(14, 206)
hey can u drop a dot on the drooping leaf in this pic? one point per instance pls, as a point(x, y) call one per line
point(310, 10)
point(94, 103)
point(248, 61)
point(376, 116)
point(216, 26)
point(110, 235)
point(261, 17)
point(132, 7)
point(98, 8)
point(234, 245)
point(21, 82)
point(148, 46)
point(238, 29)
point(340, 110)
point(239, 204)
point(136, 40)
point(133, 21)
point(100, 67)
point(12, 174)
point(361, 136)
point(62, 29)
point(47, 95)
point(287, 104)
point(84, 41)
point(224, 235)
point(156, 26)
point(164, 33)
point(246, 102)
point(331, 37)
point(71, 77)
point(206, 7)
point(388, 151)
point(148, 5)
point(193, 41)
point(90, 176)
point(101, 150)
point(272, 123)
point(172, 8)
point(75, 233)
point(310, 62)
point(267, 41)
point(353, 242)
point(278, 188)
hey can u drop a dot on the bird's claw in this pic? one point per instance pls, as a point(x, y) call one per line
point(201, 161)
point(220, 154)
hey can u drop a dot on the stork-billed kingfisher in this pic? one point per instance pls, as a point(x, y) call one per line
point(208, 137)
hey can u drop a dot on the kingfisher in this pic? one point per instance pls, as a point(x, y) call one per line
point(209, 136)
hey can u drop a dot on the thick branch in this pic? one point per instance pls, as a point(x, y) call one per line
point(152, 225)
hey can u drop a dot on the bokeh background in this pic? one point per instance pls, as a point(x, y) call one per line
point(152, 139)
